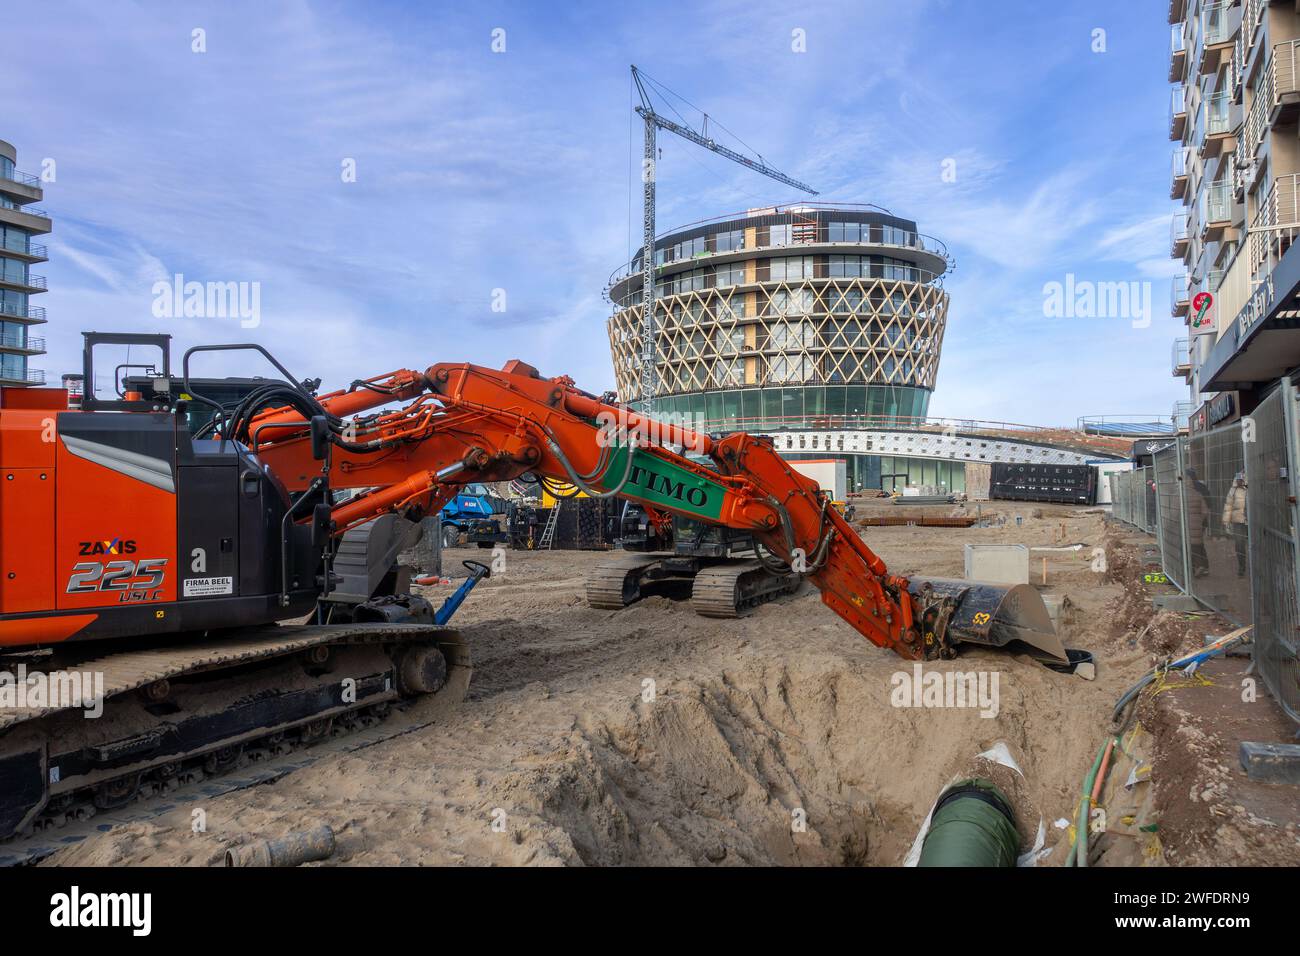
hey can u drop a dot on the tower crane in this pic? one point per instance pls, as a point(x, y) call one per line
point(654, 122)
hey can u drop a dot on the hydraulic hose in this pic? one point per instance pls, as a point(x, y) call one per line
point(576, 479)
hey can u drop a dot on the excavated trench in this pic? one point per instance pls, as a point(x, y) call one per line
point(769, 765)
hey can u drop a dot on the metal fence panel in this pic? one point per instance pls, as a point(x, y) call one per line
point(1274, 551)
point(1214, 501)
point(1138, 498)
point(1169, 508)
point(1124, 499)
point(1147, 489)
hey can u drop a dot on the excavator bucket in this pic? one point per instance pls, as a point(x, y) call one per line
point(996, 615)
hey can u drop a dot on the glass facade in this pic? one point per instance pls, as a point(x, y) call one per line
point(805, 406)
point(894, 473)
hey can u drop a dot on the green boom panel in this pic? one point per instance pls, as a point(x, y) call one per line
point(663, 483)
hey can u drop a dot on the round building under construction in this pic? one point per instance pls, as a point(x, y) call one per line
point(812, 316)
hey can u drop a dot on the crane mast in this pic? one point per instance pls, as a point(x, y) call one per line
point(654, 122)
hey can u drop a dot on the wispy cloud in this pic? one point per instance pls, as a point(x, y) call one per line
point(478, 171)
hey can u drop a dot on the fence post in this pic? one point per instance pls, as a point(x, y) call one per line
point(1180, 446)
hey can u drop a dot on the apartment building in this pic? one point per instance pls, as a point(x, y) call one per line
point(1235, 66)
point(20, 224)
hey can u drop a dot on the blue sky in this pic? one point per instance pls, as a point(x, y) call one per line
point(478, 171)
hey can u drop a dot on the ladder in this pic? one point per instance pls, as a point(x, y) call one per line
point(548, 532)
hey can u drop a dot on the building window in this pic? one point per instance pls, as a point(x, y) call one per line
point(13, 271)
point(14, 239)
point(13, 367)
point(791, 267)
point(732, 273)
point(732, 241)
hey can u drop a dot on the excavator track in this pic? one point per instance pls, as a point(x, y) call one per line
point(731, 589)
point(616, 583)
point(174, 715)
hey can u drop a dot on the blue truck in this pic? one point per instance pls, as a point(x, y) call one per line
point(472, 513)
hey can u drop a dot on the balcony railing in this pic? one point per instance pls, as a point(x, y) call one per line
point(20, 343)
point(33, 376)
point(1217, 114)
point(1182, 356)
point(1252, 12)
point(1178, 235)
point(1177, 113)
point(1215, 22)
point(33, 313)
point(1182, 411)
point(1179, 163)
point(1177, 52)
point(1180, 294)
point(1216, 203)
point(1276, 224)
point(28, 282)
point(1214, 279)
point(27, 211)
point(17, 176)
point(23, 246)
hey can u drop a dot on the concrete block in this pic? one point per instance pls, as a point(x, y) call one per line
point(998, 563)
point(1271, 763)
point(1175, 602)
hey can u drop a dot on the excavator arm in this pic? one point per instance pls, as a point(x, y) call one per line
point(465, 423)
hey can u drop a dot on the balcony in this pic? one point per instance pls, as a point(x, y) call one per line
point(1177, 113)
point(24, 249)
point(1214, 279)
point(30, 284)
point(1180, 296)
point(26, 345)
point(1182, 358)
point(1216, 210)
point(1177, 53)
point(1275, 226)
point(1217, 34)
point(25, 179)
point(1215, 121)
point(1178, 189)
point(25, 217)
point(1277, 95)
point(33, 314)
point(1182, 411)
point(1178, 236)
point(33, 376)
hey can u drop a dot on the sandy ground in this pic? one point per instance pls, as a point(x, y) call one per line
point(653, 736)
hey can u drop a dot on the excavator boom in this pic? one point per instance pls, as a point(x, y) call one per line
point(465, 423)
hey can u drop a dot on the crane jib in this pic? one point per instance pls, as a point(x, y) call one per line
point(665, 484)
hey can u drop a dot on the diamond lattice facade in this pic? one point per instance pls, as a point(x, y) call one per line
point(816, 314)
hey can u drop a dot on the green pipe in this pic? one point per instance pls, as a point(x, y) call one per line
point(972, 825)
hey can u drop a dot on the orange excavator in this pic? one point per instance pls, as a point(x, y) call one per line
point(158, 562)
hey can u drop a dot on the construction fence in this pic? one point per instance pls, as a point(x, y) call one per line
point(1221, 506)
